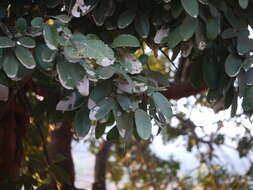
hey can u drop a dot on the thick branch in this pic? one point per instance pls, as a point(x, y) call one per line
point(183, 89)
point(101, 165)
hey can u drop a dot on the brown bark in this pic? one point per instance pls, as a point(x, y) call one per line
point(61, 144)
point(12, 131)
point(101, 166)
point(183, 89)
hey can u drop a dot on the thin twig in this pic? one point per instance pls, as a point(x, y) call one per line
point(163, 52)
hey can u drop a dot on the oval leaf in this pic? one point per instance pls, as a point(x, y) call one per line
point(10, 66)
point(51, 36)
point(188, 28)
point(244, 3)
point(105, 72)
point(6, 42)
point(125, 40)
point(26, 42)
point(82, 122)
point(37, 22)
point(142, 25)
point(143, 124)
point(38, 57)
point(65, 75)
point(25, 57)
point(21, 25)
point(126, 18)
point(232, 65)
point(162, 104)
point(191, 7)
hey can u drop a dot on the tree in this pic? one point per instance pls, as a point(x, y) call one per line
point(86, 62)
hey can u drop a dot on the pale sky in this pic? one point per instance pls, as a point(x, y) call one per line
point(201, 116)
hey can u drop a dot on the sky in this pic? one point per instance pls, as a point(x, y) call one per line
point(201, 116)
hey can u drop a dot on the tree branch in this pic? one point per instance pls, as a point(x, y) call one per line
point(101, 165)
point(183, 89)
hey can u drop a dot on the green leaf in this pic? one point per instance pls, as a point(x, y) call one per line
point(142, 25)
point(6, 42)
point(247, 63)
point(82, 122)
point(249, 77)
point(247, 103)
point(105, 72)
point(98, 50)
point(176, 9)
point(104, 107)
point(143, 124)
point(234, 105)
point(191, 7)
point(124, 122)
point(25, 57)
point(48, 55)
point(173, 39)
point(51, 36)
point(37, 22)
point(243, 3)
point(244, 44)
point(10, 66)
point(26, 42)
point(188, 28)
point(125, 103)
point(125, 40)
point(71, 102)
point(233, 65)
point(21, 25)
point(101, 91)
point(63, 18)
point(126, 18)
point(212, 28)
point(162, 104)
point(128, 104)
point(38, 57)
point(65, 76)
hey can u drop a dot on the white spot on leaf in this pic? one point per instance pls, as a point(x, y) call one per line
point(91, 103)
point(80, 5)
point(68, 104)
point(83, 87)
point(161, 34)
point(93, 113)
point(136, 65)
point(106, 62)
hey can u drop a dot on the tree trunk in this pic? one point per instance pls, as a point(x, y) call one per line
point(101, 166)
point(13, 121)
point(61, 145)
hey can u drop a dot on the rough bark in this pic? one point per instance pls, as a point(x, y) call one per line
point(101, 166)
